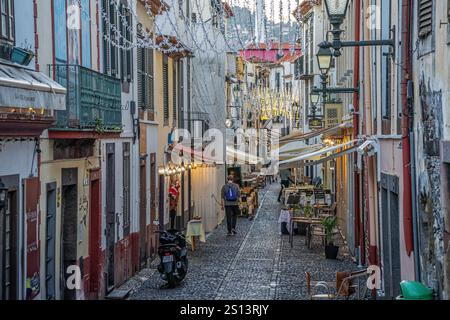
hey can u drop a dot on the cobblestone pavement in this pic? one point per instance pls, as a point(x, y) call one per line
point(258, 263)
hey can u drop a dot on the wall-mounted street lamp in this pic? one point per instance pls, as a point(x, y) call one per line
point(337, 10)
point(324, 58)
point(314, 98)
point(3, 194)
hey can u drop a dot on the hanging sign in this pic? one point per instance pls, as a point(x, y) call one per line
point(315, 123)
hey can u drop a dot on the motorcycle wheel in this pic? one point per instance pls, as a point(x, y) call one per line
point(172, 280)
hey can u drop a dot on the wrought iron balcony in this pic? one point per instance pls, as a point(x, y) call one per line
point(93, 99)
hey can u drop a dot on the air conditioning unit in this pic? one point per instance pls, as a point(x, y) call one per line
point(333, 114)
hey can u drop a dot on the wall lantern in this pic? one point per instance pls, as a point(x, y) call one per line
point(314, 97)
point(324, 58)
point(336, 10)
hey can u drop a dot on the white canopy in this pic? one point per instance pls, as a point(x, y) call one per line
point(25, 88)
point(315, 155)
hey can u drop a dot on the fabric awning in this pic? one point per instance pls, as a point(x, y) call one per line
point(296, 136)
point(333, 156)
point(316, 155)
point(25, 88)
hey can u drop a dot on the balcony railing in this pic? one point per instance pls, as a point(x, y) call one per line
point(93, 99)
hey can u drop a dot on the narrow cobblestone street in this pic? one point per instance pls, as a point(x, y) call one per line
point(257, 263)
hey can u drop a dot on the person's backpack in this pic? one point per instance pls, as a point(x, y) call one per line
point(230, 193)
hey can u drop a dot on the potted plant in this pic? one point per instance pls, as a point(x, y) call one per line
point(22, 55)
point(329, 224)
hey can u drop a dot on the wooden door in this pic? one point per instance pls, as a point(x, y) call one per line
point(69, 219)
point(50, 243)
point(153, 243)
point(94, 231)
point(9, 268)
point(143, 214)
point(110, 215)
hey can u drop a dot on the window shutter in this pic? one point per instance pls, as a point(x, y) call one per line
point(114, 51)
point(425, 18)
point(174, 93)
point(106, 36)
point(448, 10)
point(166, 90)
point(141, 77)
point(123, 31)
point(149, 79)
point(129, 53)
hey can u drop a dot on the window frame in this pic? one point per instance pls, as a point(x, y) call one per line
point(10, 21)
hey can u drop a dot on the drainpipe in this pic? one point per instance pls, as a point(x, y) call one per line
point(357, 222)
point(414, 210)
point(405, 124)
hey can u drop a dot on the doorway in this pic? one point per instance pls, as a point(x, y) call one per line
point(110, 215)
point(94, 231)
point(69, 222)
point(161, 203)
point(391, 271)
point(50, 242)
point(153, 238)
point(8, 245)
point(143, 213)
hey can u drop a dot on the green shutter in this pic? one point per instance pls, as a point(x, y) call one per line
point(166, 91)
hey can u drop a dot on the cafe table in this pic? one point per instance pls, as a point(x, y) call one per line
point(195, 229)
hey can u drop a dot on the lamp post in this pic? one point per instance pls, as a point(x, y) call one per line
point(314, 97)
point(336, 11)
point(324, 58)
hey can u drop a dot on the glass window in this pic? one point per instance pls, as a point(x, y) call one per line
point(7, 19)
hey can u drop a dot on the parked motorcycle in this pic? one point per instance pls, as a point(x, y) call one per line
point(173, 254)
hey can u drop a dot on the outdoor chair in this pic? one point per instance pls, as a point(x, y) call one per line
point(317, 231)
point(326, 212)
point(319, 196)
point(347, 284)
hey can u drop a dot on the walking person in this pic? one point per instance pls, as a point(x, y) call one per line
point(173, 202)
point(231, 201)
point(285, 176)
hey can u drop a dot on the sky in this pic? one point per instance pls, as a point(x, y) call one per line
point(272, 7)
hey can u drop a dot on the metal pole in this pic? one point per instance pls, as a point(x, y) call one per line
point(367, 43)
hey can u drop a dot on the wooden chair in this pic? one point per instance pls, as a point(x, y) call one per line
point(325, 212)
point(319, 196)
point(316, 231)
point(346, 285)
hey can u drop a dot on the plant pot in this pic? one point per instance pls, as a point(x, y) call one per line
point(331, 252)
point(21, 56)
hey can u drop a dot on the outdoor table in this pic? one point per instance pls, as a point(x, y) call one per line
point(195, 229)
point(308, 222)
